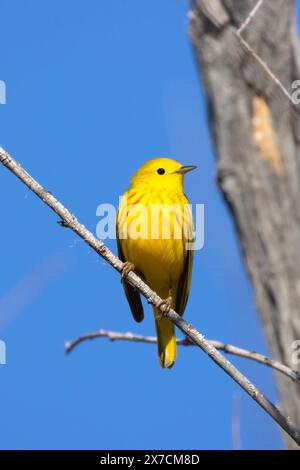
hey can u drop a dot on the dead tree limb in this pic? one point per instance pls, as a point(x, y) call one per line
point(248, 73)
point(225, 347)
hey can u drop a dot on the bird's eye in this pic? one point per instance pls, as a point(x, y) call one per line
point(161, 171)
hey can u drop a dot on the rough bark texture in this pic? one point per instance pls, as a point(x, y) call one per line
point(257, 140)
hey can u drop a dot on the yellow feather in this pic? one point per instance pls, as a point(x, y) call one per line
point(153, 226)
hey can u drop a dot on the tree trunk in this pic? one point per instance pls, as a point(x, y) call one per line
point(257, 140)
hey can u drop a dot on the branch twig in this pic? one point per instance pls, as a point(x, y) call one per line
point(221, 346)
point(250, 17)
point(259, 60)
point(195, 336)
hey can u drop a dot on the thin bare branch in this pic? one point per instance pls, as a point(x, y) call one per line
point(259, 60)
point(227, 348)
point(250, 17)
point(267, 69)
point(195, 336)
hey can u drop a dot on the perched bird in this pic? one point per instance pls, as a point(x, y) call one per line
point(154, 226)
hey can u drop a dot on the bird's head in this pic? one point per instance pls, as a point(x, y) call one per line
point(161, 174)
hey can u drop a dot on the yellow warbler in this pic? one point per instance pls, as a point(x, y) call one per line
point(154, 227)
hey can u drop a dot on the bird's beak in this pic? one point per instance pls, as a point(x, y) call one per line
point(185, 169)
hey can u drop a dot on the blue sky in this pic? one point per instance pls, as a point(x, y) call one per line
point(93, 90)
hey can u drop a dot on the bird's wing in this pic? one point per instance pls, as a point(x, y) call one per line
point(132, 295)
point(184, 283)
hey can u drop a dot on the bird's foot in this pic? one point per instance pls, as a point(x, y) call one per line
point(187, 341)
point(127, 268)
point(167, 304)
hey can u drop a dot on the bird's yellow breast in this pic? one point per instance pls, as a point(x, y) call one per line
point(153, 228)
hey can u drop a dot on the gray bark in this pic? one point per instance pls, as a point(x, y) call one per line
point(257, 140)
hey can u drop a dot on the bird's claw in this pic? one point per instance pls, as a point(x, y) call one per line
point(167, 304)
point(63, 223)
point(127, 268)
